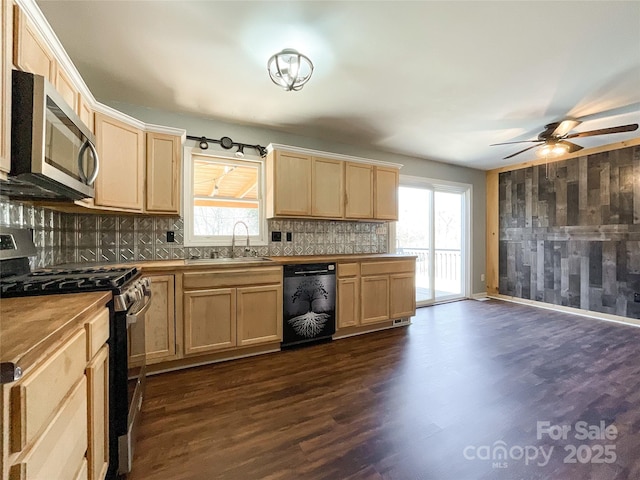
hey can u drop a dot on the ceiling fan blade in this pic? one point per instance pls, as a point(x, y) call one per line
point(521, 141)
point(521, 151)
point(565, 127)
point(603, 131)
point(572, 146)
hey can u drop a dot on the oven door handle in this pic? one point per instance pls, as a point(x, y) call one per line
point(138, 309)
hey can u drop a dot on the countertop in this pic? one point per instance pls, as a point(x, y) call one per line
point(29, 326)
point(164, 265)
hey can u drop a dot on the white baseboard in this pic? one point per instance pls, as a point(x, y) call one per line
point(574, 311)
point(478, 296)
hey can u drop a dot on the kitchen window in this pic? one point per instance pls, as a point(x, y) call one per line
point(220, 191)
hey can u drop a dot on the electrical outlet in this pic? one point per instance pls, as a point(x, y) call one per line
point(482, 277)
point(276, 236)
point(171, 236)
point(636, 297)
point(289, 237)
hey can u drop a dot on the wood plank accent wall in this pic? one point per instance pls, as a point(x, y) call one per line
point(568, 232)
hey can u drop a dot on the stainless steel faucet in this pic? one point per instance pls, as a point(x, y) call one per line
point(247, 249)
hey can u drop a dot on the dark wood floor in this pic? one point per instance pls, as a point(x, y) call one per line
point(408, 403)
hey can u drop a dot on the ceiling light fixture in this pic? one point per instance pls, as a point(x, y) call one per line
point(290, 69)
point(227, 143)
point(553, 149)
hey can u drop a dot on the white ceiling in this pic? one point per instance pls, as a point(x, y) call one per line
point(437, 80)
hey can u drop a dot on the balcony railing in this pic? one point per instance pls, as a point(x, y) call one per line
point(446, 261)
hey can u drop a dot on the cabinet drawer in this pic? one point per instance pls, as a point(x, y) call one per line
point(231, 278)
point(59, 452)
point(97, 332)
point(380, 268)
point(37, 396)
point(83, 473)
point(347, 269)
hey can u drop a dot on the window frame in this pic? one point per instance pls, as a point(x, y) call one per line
point(191, 240)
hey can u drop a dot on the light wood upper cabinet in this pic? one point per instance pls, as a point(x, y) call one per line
point(359, 190)
point(289, 184)
point(121, 147)
point(163, 173)
point(30, 53)
point(5, 87)
point(327, 188)
point(66, 89)
point(85, 112)
point(386, 183)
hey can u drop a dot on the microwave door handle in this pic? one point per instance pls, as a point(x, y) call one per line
point(96, 161)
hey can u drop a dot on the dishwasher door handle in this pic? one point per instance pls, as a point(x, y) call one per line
point(311, 271)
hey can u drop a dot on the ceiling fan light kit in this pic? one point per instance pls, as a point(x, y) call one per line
point(290, 69)
point(554, 138)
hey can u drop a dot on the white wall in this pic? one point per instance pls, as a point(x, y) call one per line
point(212, 128)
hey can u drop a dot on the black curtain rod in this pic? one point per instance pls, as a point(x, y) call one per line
point(227, 143)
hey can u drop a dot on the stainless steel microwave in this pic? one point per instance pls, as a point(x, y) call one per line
point(53, 154)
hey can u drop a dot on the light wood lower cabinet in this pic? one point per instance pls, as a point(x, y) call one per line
point(209, 320)
point(98, 415)
point(259, 314)
point(233, 308)
point(375, 299)
point(348, 295)
point(348, 301)
point(402, 297)
point(371, 292)
point(159, 340)
point(60, 449)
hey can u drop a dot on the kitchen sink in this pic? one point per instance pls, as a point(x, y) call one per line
point(213, 261)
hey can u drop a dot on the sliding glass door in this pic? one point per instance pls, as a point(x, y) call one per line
point(433, 226)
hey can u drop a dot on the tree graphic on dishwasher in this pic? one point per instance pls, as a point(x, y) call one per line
point(311, 323)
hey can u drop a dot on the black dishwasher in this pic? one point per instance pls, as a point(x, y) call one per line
point(309, 303)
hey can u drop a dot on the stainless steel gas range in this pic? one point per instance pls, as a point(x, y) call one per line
point(131, 299)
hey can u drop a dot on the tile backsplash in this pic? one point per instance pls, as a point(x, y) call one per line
point(81, 238)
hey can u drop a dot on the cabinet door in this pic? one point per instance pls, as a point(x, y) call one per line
point(60, 451)
point(327, 188)
point(259, 314)
point(402, 295)
point(5, 88)
point(98, 414)
point(359, 190)
point(85, 112)
point(386, 193)
point(374, 303)
point(120, 183)
point(348, 299)
point(160, 320)
point(66, 88)
point(292, 184)
point(163, 173)
point(209, 320)
point(31, 54)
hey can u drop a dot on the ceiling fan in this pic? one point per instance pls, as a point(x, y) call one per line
point(553, 138)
